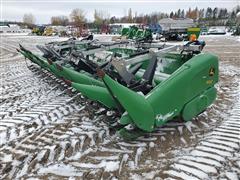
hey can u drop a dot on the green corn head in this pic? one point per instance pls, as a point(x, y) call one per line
point(148, 89)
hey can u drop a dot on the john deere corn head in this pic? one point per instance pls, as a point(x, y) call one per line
point(148, 84)
point(137, 34)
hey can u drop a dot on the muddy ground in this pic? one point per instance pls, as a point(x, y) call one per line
point(49, 131)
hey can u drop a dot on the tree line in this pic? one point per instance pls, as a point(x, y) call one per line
point(208, 16)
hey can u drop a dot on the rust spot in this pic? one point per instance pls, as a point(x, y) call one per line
point(50, 61)
point(59, 67)
point(68, 82)
point(100, 73)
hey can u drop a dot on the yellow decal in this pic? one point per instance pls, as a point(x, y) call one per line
point(209, 81)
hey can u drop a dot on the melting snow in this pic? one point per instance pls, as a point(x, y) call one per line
point(149, 175)
point(161, 117)
point(151, 144)
point(205, 168)
point(232, 176)
point(180, 129)
point(124, 160)
point(109, 166)
point(61, 170)
point(138, 155)
point(183, 140)
point(200, 174)
point(180, 174)
point(7, 158)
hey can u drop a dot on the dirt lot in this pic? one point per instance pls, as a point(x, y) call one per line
point(49, 130)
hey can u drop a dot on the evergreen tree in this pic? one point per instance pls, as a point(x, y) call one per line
point(215, 13)
point(209, 13)
point(179, 13)
point(183, 14)
point(130, 18)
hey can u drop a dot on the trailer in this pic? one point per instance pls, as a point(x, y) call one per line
point(176, 29)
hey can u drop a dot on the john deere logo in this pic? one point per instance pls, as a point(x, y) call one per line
point(211, 71)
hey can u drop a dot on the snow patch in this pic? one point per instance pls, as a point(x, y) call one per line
point(109, 166)
point(232, 175)
point(149, 175)
point(124, 160)
point(161, 117)
point(61, 170)
point(138, 155)
point(6, 158)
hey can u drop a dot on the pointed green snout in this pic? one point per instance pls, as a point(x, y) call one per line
point(35, 59)
point(139, 110)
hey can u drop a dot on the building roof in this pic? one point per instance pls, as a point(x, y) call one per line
point(169, 23)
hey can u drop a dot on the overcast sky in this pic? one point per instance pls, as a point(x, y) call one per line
point(43, 10)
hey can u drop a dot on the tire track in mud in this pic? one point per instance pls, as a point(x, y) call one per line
point(100, 155)
point(67, 139)
point(92, 141)
point(214, 152)
point(27, 105)
point(31, 118)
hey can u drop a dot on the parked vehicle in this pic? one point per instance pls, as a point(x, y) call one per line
point(217, 30)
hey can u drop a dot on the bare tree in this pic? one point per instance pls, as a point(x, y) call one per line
point(59, 20)
point(130, 17)
point(29, 19)
point(154, 18)
point(100, 17)
point(78, 17)
point(135, 16)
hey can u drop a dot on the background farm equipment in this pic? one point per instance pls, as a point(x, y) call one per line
point(39, 30)
point(217, 30)
point(155, 28)
point(137, 34)
point(178, 29)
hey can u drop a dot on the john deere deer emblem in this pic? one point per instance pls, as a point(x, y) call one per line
point(211, 71)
